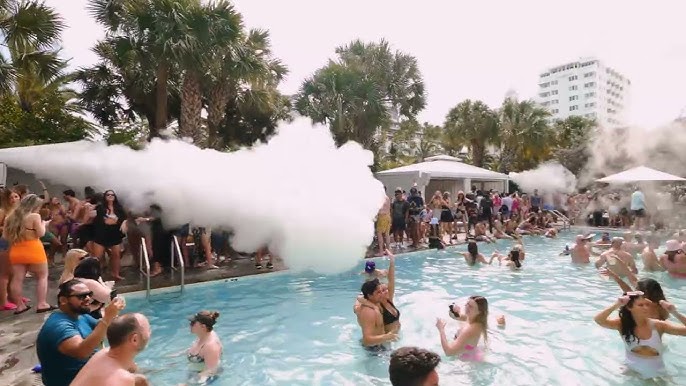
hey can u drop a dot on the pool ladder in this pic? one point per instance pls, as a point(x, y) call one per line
point(144, 264)
point(566, 224)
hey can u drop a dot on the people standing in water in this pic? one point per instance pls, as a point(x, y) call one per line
point(389, 313)
point(652, 291)
point(371, 272)
point(472, 256)
point(642, 335)
point(205, 353)
point(581, 251)
point(467, 338)
point(674, 259)
point(650, 261)
point(370, 319)
point(513, 259)
point(618, 260)
point(23, 229)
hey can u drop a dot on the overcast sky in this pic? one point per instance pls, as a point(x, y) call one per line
point(469, 49)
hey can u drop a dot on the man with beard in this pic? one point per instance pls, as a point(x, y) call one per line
point(114, 366)
point(70, 336)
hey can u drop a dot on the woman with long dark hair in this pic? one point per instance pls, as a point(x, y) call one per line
point(107, 231)
point(472, 256)
point(642, 335)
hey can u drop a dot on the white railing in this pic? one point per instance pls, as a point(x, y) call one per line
point(565, 221)
point(143, 258)
point(176, 252)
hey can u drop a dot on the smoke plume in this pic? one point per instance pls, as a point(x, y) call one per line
point(310, 201)
point(550, 177)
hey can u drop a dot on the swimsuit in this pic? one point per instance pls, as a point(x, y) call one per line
point(28, 252)
point(387, 316)
point(646, 366)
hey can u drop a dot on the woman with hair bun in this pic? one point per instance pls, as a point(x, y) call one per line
point(206, 351)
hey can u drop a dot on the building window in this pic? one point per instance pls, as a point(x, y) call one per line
point(574, 98)
point(589, 94)
point(589, 84)
point(555, 111)
point(553, 83)
point(544, 94)
point(572, 88)
point(573, 77)
point(592, 104)
point(589, 74)
point(554, 102)
point(573, 108)
point(545, 103)
point(544, 85)
point(554, 92)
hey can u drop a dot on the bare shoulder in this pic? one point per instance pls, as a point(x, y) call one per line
point(122, 377)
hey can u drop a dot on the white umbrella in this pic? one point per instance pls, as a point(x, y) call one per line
point(640, 173)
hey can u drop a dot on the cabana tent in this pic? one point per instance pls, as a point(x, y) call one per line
point(640, 173)
point(442, 173)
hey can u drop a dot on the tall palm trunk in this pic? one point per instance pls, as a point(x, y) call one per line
point(190, 121)
point(478, 151)
point(160, 100)
point(219, 96)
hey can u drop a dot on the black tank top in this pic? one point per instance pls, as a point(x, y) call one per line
point(388, 317)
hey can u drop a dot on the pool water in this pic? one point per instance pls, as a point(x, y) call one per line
point(299, 329)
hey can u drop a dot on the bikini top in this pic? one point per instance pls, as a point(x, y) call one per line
point(196, 358)
point(387, 316)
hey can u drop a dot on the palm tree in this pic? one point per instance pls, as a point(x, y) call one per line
point(525, 136)
point(245, 70)
point(474, 124)
point(160, 30)
point(31, 33)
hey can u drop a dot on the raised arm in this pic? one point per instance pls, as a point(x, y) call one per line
point(667, 327)
point(391, 275)
point(457, 346)
point(603, 318)
point(601, 261)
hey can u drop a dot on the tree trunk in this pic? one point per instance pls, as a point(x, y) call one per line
point(478, 151)
point(161, 101)
point(190, 121)
point(218, 98)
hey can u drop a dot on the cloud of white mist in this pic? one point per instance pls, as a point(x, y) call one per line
point(313, 203)
point(550, 177)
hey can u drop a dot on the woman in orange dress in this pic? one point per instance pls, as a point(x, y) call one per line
point(23, 230)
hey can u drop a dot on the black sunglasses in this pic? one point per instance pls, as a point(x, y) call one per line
point(82, 296)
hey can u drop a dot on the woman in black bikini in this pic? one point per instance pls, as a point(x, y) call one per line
point(107, 230)
point(206, 351)
point(390, 314)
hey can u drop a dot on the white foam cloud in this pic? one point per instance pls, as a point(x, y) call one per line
point(312, 202)
point(550, 177)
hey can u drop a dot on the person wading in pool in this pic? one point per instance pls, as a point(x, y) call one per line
point(369, 316)
point(389, 313)
point(581, 251)
point(206, 351)
point(650, 287)
point(642, 335)
point(618, 260)
point(467, 338)
point(674, 259)
point(127, 336)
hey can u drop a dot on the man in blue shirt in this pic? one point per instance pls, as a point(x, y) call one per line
point(69, 337)
point(638, 207)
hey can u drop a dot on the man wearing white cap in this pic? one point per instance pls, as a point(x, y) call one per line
point(674, 259)
point(581, 251)
point(617, 260)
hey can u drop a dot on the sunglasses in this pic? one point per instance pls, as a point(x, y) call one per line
point(82, 296)
point(109, 195)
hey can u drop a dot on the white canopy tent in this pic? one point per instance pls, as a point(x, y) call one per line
point(640, 173)
point(444, 173)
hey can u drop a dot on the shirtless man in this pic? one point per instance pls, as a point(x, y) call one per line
point(649, 257)
point(581, 251)
point(369, 317)
point(619, 261)
point(127, 335)
point(674, 259)
point(383, 226)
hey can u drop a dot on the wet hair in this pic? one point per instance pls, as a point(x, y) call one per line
point(482, 318)
point(514, 257)
point(473, 250)
point(651, 289)
point(120, 329)
point(69, 193)
point(627, 323)
point(88, 268)
point(206, 318)
point(410, 366)
point(369, 287)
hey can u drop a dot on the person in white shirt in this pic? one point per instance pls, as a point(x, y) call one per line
point(638, 208)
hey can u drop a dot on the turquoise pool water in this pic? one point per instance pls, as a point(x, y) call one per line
point(295, 329)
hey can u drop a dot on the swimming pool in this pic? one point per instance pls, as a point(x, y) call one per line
point(295, 329)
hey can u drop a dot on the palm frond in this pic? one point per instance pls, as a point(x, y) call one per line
point(31, 25)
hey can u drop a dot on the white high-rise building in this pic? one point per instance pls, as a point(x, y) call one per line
point(588, 88)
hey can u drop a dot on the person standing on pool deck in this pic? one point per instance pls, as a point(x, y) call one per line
point(413, 366)
point(400, 212)
point(127, 336)
point(638, 208)
point(642, 335)
point(536, 202)
point(370, 318)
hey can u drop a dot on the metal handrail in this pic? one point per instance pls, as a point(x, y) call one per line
point(565, 219)
point(176, 250)
point(143, 257)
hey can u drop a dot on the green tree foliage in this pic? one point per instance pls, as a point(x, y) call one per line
point(365, 89)
point(472, 124)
